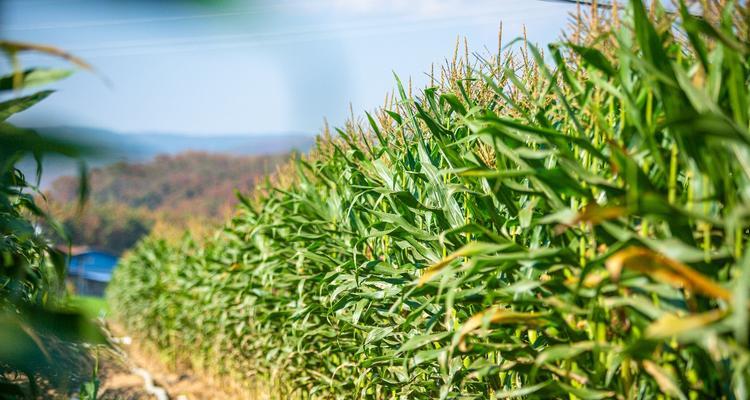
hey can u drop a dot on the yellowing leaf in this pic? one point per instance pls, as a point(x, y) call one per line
point(670, 325)
point(12, 47)
point(594, 214)
point(592, 279)
point(496, 315)
point(666, 383)
point(664, 269)
point(470, 249)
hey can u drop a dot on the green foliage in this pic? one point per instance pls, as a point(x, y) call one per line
point(92, 307)
point(40, 341)
point(574, 229)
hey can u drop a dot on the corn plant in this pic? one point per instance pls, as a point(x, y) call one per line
point(544, 224)
point(40, 339)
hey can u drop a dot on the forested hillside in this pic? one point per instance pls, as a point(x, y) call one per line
point(142, 147)
point(127, 200)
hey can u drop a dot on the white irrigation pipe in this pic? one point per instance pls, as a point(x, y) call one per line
point(149, 386)
point(148, 381)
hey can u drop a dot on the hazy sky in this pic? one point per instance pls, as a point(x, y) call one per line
point(251, 66)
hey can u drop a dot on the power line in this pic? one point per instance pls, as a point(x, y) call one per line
point(39, 2)
point(305, 30)
point(361, 32)
point(304, 34)
point(145, 20)
point(279, 4)
point(125, 21)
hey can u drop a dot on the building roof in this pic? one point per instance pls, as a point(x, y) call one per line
point(78, 250)
point(90, 264)
point(97, 276)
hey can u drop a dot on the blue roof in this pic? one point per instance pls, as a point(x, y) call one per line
point(92, 265)
point(97, 276)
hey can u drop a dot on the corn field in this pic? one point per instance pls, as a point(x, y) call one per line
point(568, 222)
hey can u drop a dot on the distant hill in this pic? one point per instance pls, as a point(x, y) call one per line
point(109, 147)
point(192, 190)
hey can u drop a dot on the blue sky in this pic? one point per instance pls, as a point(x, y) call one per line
point(252, 66)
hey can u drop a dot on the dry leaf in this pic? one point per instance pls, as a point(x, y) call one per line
point(664, 269)
point(496, 315)
point(671, 325)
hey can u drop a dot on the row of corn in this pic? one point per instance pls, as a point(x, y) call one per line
point(560, 223)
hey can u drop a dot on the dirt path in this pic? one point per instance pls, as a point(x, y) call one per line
point(118, 380)
point(123, 372)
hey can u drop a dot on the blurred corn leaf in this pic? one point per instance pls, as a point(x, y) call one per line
point(41, 339)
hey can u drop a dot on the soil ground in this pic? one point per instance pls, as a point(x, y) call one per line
point(118, 382)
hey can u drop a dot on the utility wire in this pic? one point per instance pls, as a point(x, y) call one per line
point(302, 34)
point(290, 39)
point(279, 4)
point(125, 21)
point(146, 20)
point(304, 30)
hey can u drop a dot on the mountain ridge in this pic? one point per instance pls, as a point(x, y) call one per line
point(111, 146)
